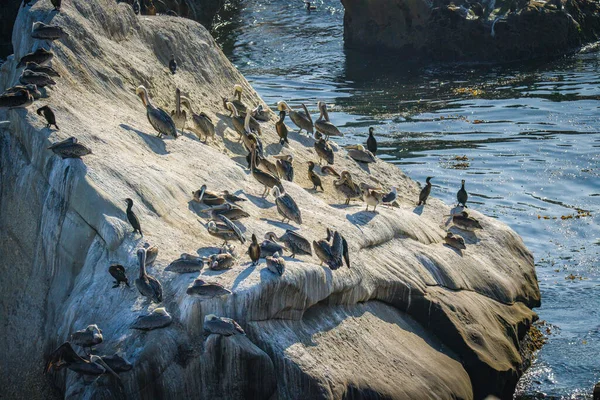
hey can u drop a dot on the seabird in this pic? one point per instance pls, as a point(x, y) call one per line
point(207, 290)
point(461, 195)
point(302, 120)
point(425, 191)
point(222, 326)
point(148, 285)
point(132, 218)
point(159, 318)
point(372, 142)
point(185, 264)
point(276, 264)
point(158, 118)
point(47, 113)
point(286, 206)
point(314, 178)
point(117, 271)
point(294, 242)
point(254, 250)
point(70, 148)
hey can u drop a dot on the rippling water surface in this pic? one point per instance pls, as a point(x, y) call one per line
point(530, 134)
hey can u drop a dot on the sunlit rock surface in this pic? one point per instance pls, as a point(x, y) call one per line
point(411, 317)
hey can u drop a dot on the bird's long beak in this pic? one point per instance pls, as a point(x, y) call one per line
point(201, 195)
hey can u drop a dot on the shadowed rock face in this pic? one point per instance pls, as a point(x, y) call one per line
point(409, 310)
point(504, 30)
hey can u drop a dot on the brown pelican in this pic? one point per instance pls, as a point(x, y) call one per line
point(263, 177)
point(286, 206)
point(31, 89)
point(88, 337)
point(148, 285)
point(206, 290)
point(323, 125)
point(202, 125)
point(47, 32)
point(222, 326)
point(159, 318)
point(325, 254)
point(151, 253)
point(260, 114)
point(133, 219)
point(281, 129)
point(371, 196)
point(207, 197)
point(276, 264)
point(185, 264)
point(49, 115)
point(221, 261)
point(40, 56)
point(237, 100)
point(65, 356)
point(178, 115)
point(158, 118)
point(56, 4)
point(285, 167)
point(328, 170)
point(20, 98)
point(372, 142)
point(466, 222)
point(70, 148)
point(294, 242)
point(462, 195)
point(324, 151)
point(455, 241)
point(268, 247)
point(35, 78)
point(314, 178)
point(118, 272)
point(346, 187)
point(302, 120)
point(359, 153)
point(45, 69)
point(425, 191)
point(254, 250)
point(226, 230)
point(172, 64)
point(232, 197)
point(239, 121)
point(339, 247)
point(231, 211)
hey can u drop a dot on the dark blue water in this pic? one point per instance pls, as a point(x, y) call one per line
point(530, 134)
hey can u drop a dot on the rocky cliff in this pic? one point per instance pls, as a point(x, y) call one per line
point(468, 30)
point(412, 318)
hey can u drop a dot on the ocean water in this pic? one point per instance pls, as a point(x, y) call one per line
point(525, 137)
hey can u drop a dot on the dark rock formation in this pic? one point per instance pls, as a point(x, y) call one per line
point(464, 30)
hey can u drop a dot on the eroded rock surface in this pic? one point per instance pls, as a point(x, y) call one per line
point(410, 310)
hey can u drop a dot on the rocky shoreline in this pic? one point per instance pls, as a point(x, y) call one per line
point(412, 317)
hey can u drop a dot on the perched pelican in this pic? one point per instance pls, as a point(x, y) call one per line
point(20, 98)
point(148, 285)
point(324, 151)
point(40, 56)
point(269, 246)
point(221, 262)
point(231, 211)
point(173, 64)
point(151, 253)
point(88, 337)
point(254, 250)
point(159, 318)
point(158, 118)
point(46, 69)
point(207, 290)
point(466, 222)
point(202, 125)
point(328, 170)
point(425, 191)
point(260, 114)
point(346, 187)
point(186, 264)
point(302, 120)
point(265, 178)
point(237, 99)
point(70, 148)
point(281, 129)
point(276, 264)
point(359, 153)
point(371, 196)
point(286, 206)
point(31, 89)
point(314, 178)
point(132, 218)
point(339, 247)
point(118, 272)
point(47, 32)
point(462, 196)
point(323, 125)
point(207, 197)
point(455, 241)
point(222, 326)
point(239, 121)
point(65, 356)
point(39, 79)
point(391, 196)
point(48, 114)
point(226, 230)
point(372, 142)
point(294, 242)
point(285, 167)
point(232, 198)
point(325, 254)
point(178, 115)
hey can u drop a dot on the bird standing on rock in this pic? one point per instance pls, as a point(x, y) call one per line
point(254, 250)
point(372, 142)
point(425, 191)
point(70, 148)
point(88, 337)
point(462, 196)
point(314, 178)
point(173, 64)
point(49, 115)
point(286, 206)
point(282, 130)
point(158, 118)
point(132, 218)
point(118, 272)
point(276, 264)
point(148, 285)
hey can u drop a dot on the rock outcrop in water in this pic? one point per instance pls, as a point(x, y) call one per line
point(466, 30)
point(412, 318)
